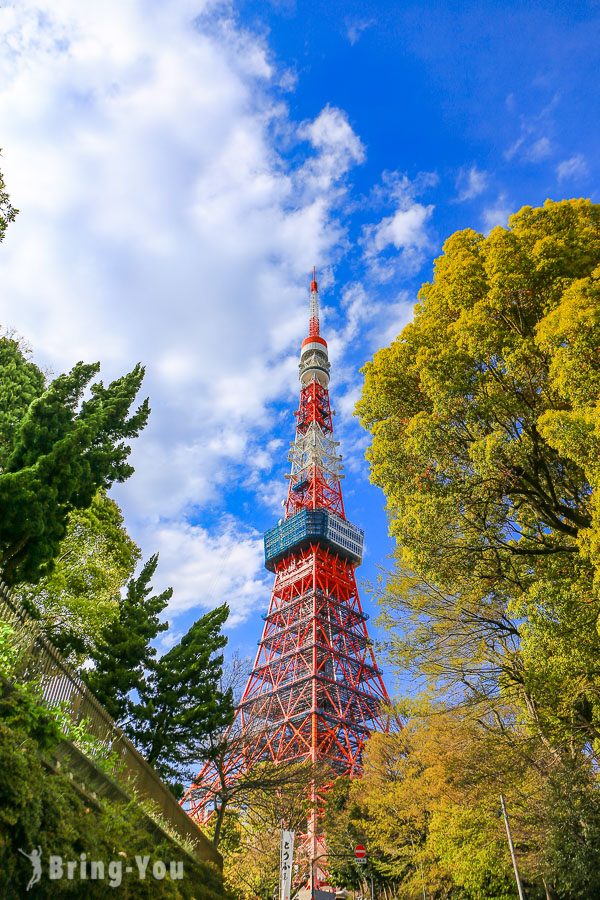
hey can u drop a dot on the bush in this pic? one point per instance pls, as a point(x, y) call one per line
point(41, 809)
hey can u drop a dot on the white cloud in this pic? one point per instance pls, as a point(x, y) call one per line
point(404, 230)
point(358, 308)
point(271, 492)
point(399, 242)
point(346, 402)
point(497, 213)
point(398, 187)
point(572, 169)
point(529, 149)
point(206, 569)
point(533, 143)
point(168, 640)
point(160, 221)
point(397, 314)
point(369, 321)
point(539, 150)
point(355, 28)
point(470, 183)
point(339, 148)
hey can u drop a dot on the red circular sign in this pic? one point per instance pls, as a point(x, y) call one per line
point(359, 851)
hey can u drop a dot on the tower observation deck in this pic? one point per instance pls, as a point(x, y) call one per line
point(315, 691)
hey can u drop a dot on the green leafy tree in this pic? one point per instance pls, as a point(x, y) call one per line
point(569, 813)
point(60, 449)
point(428, 811)
point(484, 419)
point(41, 808)
point(344, 824)
point(80, 596)
point(7, 210)
point(483, 442)
point(181, 702)
point(251, 836)
point(124, 655)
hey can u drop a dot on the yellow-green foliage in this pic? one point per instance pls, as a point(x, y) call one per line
point(428, 810)
point(486, 439)
point(81, 593)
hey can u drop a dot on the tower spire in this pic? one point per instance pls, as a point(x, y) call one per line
point(313, 325)
point(314, 359)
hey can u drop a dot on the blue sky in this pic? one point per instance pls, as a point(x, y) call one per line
point(180, 167)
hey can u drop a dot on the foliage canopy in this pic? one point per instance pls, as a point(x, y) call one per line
point(80, 596)
point(485, 426)
point(428, 811)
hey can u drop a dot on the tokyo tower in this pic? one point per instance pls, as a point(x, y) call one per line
point(315, 691)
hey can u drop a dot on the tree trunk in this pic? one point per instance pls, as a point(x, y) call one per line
point(219, 824)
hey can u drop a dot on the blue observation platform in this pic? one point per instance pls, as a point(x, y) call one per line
point(313, 526)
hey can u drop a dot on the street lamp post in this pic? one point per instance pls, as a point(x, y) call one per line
point(511, 848)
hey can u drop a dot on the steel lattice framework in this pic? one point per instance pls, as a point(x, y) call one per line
point(315, 692)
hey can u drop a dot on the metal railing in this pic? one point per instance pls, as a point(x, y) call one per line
point(59, 685)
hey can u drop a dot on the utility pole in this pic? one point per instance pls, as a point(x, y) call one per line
point(512, 850)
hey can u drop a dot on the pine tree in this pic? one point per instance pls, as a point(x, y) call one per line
point(124, 654)
point(182, 701)
point(22, 383)
point(58, 450)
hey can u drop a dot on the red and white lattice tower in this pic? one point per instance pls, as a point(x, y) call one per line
point(315, 692)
